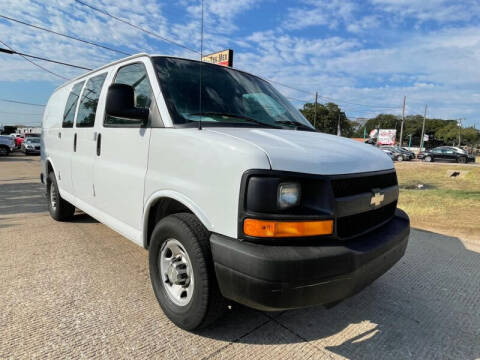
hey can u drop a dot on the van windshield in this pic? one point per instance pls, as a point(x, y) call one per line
point(228, 97)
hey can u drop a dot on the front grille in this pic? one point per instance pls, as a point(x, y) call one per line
point(357, 224)
point(358, 185)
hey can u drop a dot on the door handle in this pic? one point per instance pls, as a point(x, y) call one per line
point(75, 142)
point(59, 135)
point(99, 144)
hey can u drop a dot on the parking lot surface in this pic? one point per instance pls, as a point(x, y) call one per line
point(80, 290)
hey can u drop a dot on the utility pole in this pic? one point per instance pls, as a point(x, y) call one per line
point(423, 128)
point(315, 116)
point(339, 128)
point(459, 123)
point(403, 120)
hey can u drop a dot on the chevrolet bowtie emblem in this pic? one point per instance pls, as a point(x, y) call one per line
point(377, 198)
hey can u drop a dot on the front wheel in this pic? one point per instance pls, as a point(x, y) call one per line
point(400, 158)
point(428, 159)
point(462, 160)
point(182, 272)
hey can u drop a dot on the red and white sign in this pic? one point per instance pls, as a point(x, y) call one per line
point(386, 137)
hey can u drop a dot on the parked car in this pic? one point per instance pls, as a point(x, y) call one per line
point(409, 152)
point(400, 154)
point(31, 145)
point(389, 153)
point(238, 198)
point(7, 144)
point(446, 153)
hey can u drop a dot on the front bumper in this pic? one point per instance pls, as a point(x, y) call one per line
point(280, 277)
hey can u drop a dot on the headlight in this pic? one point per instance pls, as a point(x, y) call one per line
point(288, 195)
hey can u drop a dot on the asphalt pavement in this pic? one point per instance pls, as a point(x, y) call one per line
point(79, 290)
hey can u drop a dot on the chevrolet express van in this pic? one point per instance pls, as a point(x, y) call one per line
point(231, 190)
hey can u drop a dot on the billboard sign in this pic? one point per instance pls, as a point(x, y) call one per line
point(224, 58)
point(386, 136)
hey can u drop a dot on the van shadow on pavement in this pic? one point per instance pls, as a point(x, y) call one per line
point(426, 306)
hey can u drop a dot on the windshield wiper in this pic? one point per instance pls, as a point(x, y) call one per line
point(235, 116)
point(297, 124)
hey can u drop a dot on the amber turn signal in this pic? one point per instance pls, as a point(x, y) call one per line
point(268, 228)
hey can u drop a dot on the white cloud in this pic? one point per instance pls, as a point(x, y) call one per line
point(441, 11)
point(333, 14)
point(439, 68)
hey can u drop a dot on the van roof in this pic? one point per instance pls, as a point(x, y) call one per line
point(102, 67)
point(140, 55)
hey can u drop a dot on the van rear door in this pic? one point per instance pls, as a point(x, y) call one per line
point(64, 139)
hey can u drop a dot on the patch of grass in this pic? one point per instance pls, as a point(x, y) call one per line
point(446, 204)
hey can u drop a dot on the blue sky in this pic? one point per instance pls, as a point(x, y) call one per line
point(364, 55)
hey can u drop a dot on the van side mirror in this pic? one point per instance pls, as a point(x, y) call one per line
point(121, 103)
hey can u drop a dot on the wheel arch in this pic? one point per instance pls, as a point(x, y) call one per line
point(48, 169)
point(164, 203)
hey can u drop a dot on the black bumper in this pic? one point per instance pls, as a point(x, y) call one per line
point(270, 278)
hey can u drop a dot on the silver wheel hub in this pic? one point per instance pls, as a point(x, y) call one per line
point(53, 196)
point(176, 272)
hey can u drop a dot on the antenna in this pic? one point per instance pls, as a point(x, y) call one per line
point(201, 70)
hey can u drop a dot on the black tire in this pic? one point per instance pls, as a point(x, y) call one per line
point(62, 210)
point(400, 158)
point(206, 303)
point(428, 158)
point(462, 160)
point(4, 150)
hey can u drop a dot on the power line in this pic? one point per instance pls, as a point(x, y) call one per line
point(7, 51)
point(151, 33)
point(299, 100)
point(64, 35)
point(34, 63)
point(21, 102)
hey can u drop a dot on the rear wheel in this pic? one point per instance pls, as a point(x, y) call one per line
point(4, 150)
point(428, 159)
point(400, 158)
point(59, 208)
point(182, 272)
point(462, 160)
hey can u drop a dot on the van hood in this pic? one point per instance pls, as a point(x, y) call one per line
point(311, 152)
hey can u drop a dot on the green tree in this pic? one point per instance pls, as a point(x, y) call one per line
point(328, 116)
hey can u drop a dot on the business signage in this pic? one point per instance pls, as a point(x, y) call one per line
point(386, 136)
point(224, 58)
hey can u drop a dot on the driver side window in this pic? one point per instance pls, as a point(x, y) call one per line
point(136, 76)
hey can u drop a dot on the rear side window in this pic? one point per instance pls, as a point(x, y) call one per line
point(89, 101)
point(69, 113)
point(136, 76)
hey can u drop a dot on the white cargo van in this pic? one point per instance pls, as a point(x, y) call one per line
point(227, 185)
